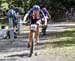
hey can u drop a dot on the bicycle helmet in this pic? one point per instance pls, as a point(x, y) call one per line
point(44, 8)
point(36, 7)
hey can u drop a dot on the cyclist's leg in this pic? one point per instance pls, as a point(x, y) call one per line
point(37, 34)
point(45, 26)
point(30, 38)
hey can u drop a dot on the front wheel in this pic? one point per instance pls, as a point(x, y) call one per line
point(31, 49)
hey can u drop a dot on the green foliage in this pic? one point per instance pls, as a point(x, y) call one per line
point(55, 7)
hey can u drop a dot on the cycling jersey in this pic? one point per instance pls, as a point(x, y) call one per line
point(35, 18)
point(45, 12)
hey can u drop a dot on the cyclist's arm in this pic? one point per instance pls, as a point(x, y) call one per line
point(26, 15)
point(49, 15)
point(44, 17)
point(8, 14)
point(42, 13)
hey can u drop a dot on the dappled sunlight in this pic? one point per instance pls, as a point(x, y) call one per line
point(62, 52)
point(65, 39)
point(61, 44)
point(70, 29)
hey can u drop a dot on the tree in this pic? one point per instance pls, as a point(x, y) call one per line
point(55, 7)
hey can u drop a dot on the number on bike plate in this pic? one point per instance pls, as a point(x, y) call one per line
point(33, 27)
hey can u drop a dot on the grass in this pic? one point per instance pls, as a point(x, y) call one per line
point(61, 44)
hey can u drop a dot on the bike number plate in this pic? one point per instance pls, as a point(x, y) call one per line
point(33, 27)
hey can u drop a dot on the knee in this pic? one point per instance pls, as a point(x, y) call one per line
point(30, 35)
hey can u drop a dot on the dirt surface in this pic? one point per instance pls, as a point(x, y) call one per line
point(47, 49)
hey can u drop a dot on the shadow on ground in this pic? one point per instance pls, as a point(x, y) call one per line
point(63, 39)
point(19, 55)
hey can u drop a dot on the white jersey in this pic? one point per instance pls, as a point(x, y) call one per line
point(3, 33)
